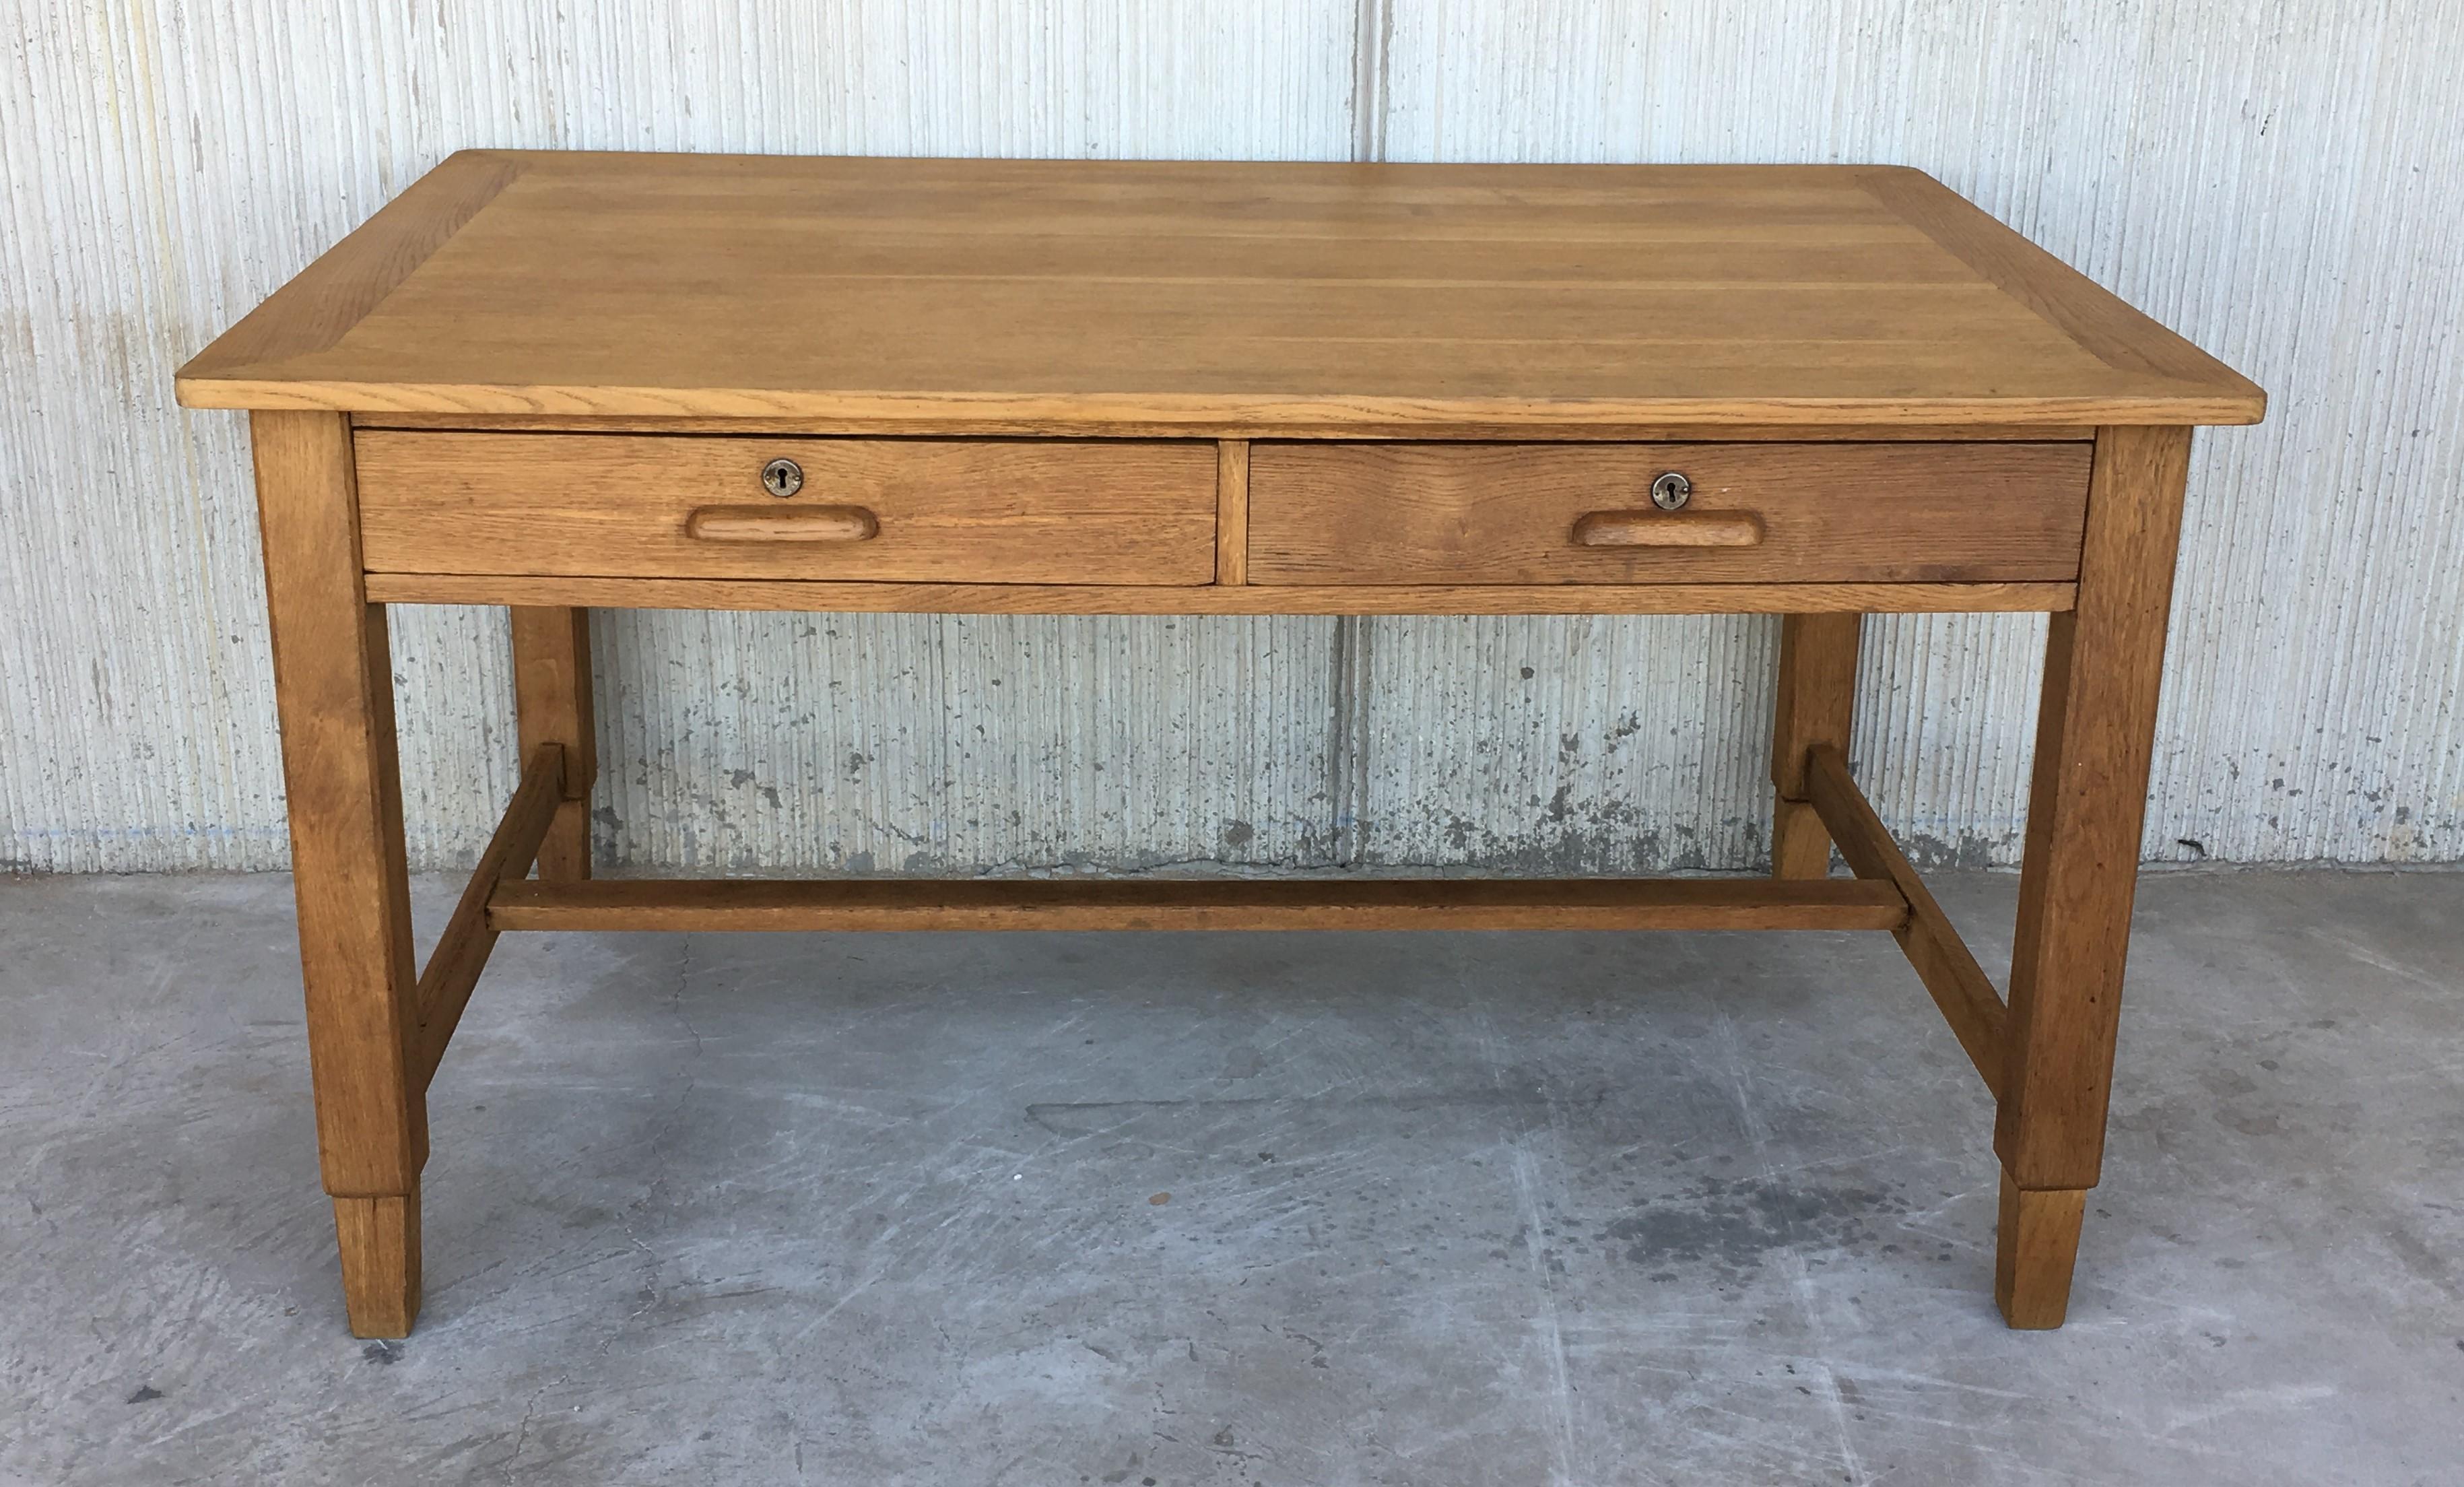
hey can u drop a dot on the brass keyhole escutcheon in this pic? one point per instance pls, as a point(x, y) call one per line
point(1671, 491)
point(782, 477)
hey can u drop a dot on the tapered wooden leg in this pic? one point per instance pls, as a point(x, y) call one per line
point(379, 1244)
point(1817, 704)
point(552, 701)
point(2079, 868)
point(334, 687)
point(2036, 1248)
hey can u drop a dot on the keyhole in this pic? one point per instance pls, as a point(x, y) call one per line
point(782, 477)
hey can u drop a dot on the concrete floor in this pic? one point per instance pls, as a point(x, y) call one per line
point(1471, 1208)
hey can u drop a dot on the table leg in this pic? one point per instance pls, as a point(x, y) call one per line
point(333, 686)
point(1817, 704)
point(552, 702)
point(2079, 866)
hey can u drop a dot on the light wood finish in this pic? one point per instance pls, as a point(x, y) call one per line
point(1943, 961)
point(1080, 427)
point(787, 525)
point(323, 304)
point(553, 705)
point(1656, 528)
point(2085, 312)
point(2038, 1235)
point(461, 952)
point(551, 381)
point(1393, 513)
point(1245, 293)
point(333, 684)
point(379, 1240)
point(1223, 904)
point(689, 593)
point(1814, 705)
point(2079, 866)
point(1018, 511)
point(1232, 512)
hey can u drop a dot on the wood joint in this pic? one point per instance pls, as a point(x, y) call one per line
point(1943, 961)
point(461, 952)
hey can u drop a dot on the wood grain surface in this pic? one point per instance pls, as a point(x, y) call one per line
point(1050, 511)
point(1227, 904)
point(1814, 703)
point(461, 953)
point(720, 593)
point(2079, 872)
point(1390, 513)
point(333, 679)
point(1254, 294)
point(1943, 962)
point(553, 704)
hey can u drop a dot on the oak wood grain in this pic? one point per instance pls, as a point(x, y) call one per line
point(553, 705)
point(2080, 865)
point(461, 953)
point(379, 1240)
point(333, 682)
point(1074, 388)
point(1814, 704)
point(2037, 1249)
point(689, 593)
point(1943, 961)
point(1247, 294)
point(1391, 513)
point(1654, 528)
point(781, 524)
point(1055, 511)
point(1217, 904)
point(320, 305)
point(1093, 428)
point(1232, 513)
point(2097, 321)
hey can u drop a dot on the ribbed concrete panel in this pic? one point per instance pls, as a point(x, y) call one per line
point(169, 165)
point(2281, 191)
point(1567, 744)
point(938, 743)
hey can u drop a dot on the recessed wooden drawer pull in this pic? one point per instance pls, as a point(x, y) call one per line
point(1668, 530)
point(795, 524)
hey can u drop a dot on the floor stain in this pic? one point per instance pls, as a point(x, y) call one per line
point(1732, 1225)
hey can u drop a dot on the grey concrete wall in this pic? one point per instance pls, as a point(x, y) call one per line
point(2277, 183)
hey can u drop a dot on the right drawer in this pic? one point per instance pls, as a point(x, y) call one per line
point(1398, 513)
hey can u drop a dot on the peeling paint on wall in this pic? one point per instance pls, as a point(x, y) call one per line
point(2278, 190)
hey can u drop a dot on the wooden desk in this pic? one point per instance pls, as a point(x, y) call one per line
point(554, 381)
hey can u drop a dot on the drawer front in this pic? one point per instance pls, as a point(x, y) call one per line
point(986, 511)
point(1584, 513)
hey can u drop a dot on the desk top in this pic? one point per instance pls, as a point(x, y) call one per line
point(1237, 297)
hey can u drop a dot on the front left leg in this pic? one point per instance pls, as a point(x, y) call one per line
point(333, 686)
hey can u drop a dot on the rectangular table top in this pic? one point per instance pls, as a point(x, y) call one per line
point(1478, 298)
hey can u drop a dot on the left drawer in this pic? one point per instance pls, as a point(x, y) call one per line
point(982, 511)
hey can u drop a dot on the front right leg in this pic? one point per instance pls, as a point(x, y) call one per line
point(333, 686)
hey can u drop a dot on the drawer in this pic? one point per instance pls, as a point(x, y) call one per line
point(988, 511)
point(1584, 514)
